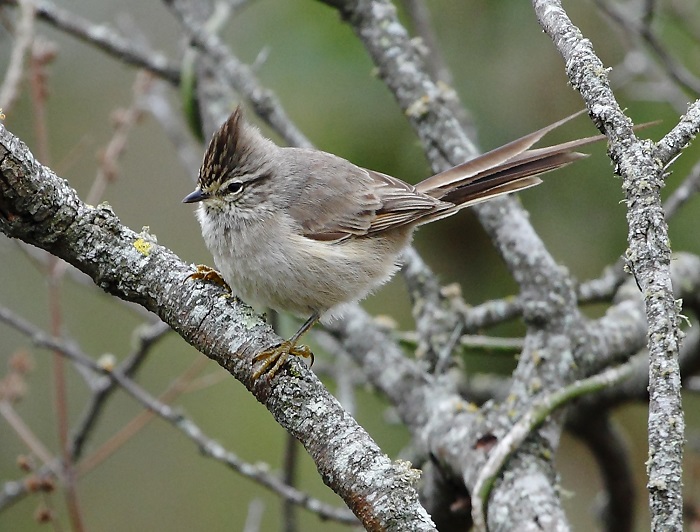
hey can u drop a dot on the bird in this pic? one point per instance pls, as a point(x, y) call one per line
point(305, 231)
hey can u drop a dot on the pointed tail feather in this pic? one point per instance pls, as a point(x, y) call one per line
point(506, 180)
point(507, 169)
point(496, 157)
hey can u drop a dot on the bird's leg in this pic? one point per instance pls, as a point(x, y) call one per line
point(205, 273)
point(274, 358)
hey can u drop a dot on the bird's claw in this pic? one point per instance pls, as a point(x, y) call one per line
point(205, 273)
point(274, 358)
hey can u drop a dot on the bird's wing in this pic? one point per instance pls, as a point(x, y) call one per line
point(354, 202)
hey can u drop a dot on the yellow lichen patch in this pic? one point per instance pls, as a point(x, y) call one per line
point(143, 247)
point(419, 107)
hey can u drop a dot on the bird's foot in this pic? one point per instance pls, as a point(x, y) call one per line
point(205, 273)
point(274, 358)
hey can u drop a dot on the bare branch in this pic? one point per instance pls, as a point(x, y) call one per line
point(147, 337)
point(239, 76)
point(106, 39)
point(512, 441)
point(685, 191)
point(642, 30)
point(680, 136)
point(24, 32)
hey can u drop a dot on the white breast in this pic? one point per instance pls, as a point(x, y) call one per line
point(265, 261)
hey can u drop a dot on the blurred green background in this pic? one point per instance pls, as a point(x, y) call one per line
point(511, 80)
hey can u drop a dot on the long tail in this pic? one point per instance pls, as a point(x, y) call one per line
point(511, 167)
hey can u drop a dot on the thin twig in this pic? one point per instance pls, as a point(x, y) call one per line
point(107, 40)
point(604, 287)
point(43, 53)
point(61, 398)
point(24, 32)
point(289, 474)
point(207, 446)
point(488, 313)
point(127, 432)
point(684, 192)
point(31, 440)
point(676, 71)
point(124, 121)
point(253, 519)
point(104, 388)
point(241, 77)
point(157, 102)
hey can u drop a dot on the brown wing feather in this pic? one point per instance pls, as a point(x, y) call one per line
point(402, 204)
point(331, 209)
point(361, 203)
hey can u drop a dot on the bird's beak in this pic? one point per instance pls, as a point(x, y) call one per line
point(195, 196)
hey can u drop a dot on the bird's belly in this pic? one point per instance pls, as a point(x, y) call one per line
point(302, 275)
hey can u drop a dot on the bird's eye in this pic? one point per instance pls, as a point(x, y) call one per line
point(234, 187)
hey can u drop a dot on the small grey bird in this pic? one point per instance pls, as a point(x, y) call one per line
point(305, 231)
